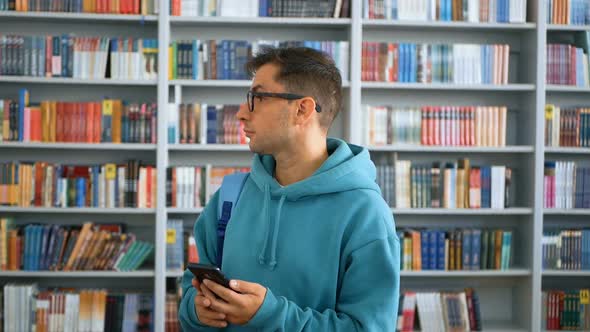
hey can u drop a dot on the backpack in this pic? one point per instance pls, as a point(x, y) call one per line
point(229, 193)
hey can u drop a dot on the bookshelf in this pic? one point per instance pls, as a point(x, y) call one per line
point(510, 299)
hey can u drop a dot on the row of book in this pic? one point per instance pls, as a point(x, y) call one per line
point(178, 242)
point(566, 185)
point(195, 123)
point(79, 57)
point(567, 126)
point(226, 59)
point(565, 310)
point(106, 121)
point(567, 65)
point(44, 184)
point(29, 308)
point(36, 247)
point(171, 323)
point(135, 7)
point(193, 186)
point(457, 185)
point(261, 8)
point(566, 249)
point(576, 12)
point(500, 11)
point(435, 63)
point(439, 311)
point(435, 125)
point(459, 249)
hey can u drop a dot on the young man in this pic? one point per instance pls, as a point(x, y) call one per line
point(311, 244)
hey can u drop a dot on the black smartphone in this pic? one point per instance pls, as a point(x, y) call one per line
point(211, 272)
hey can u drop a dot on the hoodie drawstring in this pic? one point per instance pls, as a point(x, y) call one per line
point(263, 258)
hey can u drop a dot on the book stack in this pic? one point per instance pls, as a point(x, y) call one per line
point(97, 310)
point(567, 127)
point(566, 249)
point(459, 249)
point(435, 125)
point(261, 8)
point(570, 12)
point(78, 57)
point(226, 59)
point(565, 310)
point(205, 123)
point(43, 184)
point(185, 186)
point(435, 63)
point(439, 311)
point(496, 11)
point(566, 185)
point(135, 7)
point(463, 185)
point(106, 121)
point(36, 247)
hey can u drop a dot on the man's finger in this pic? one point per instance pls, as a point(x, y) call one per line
point(207, 292)
point(225, 293)
point(196, 283)
point(214, 323)
point(202, 301)
point(223, 307)
point(244, 287)
point(207, 313)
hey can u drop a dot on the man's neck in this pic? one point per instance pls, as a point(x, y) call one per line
point(300, 162)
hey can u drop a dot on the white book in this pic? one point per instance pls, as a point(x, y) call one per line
point(502, 126)
point(473, 11)
point(498, 184)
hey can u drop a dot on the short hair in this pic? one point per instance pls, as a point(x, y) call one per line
point(305, 71)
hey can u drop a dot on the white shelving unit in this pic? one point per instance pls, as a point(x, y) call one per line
point(510, 299)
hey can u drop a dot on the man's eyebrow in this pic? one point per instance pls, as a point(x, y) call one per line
point(257, 87)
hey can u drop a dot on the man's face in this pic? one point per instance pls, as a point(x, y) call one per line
point(268, 126)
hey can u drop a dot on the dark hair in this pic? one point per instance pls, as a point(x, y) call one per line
point(305, 71)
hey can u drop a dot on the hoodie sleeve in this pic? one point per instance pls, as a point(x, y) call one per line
point(368, 298)
point(204, 231)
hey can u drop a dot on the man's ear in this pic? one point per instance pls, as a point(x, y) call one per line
point(305, 110)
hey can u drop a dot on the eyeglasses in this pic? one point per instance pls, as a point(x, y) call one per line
point(288, 96)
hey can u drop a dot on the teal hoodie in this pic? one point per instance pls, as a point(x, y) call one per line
point(325, 248)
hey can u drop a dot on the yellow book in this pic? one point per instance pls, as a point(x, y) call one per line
point(53, 122)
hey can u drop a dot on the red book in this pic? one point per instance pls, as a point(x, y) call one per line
point(424, 126)
point(149, 187)
point(59, 124)
point(435, 115)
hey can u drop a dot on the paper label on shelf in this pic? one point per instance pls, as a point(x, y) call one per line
point(170, 236)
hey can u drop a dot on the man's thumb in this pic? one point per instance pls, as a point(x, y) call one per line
point(243, 287)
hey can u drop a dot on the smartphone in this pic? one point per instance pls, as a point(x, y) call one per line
point(211, 272)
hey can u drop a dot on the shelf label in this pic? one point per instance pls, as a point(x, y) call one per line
point(170, 236)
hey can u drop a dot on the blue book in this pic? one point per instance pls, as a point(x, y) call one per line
point(80, 192)
point(476, 249)
point(440, 243)
point(211, 124)
point(425, 250)
point(23, 101)
point(38, 239)
point(433, 249)
point(506, 248)
point(414, 63)
point(195, 46)
point(466, 249)
point(43, 244)
point(262, 8)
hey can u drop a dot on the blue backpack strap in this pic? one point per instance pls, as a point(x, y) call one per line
point(230, 190)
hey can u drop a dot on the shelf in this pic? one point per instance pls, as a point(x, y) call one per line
point(76, 274)
point(570, 212)
point(467, 274)
point(447, 86)
point(501, 327)
point(185, 210)
point(79, 146)
point(566, 88)
point(567, 27)
point(565, 273)
point(260, 21)
point(174, 274)
point(567, 150)
point(474, 212)
point(77, 81)
point(438, 25)
point(451, 149)
point(223, 83)
point(86, 17)
point(209, 147)
point(9, 209)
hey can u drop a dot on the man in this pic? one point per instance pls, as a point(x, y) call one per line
point(311, 244)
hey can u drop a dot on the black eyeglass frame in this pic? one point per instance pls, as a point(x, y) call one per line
point(288, 96)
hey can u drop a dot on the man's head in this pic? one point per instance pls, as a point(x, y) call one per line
point(296, 92)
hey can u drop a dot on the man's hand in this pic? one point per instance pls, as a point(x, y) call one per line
point(203, 301)
point(239, 304)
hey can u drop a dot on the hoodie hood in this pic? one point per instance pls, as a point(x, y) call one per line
point(348, 167)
